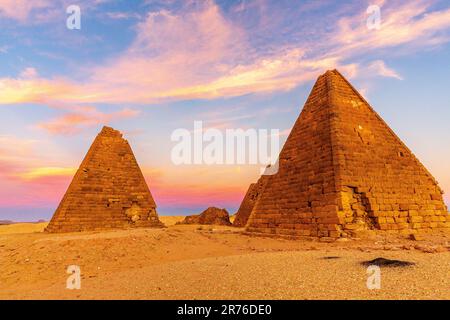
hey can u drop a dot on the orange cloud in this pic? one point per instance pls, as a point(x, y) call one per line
point(74, 122)
point(278, 73)
point(198, 53)
point(45, 172)
point(36, 90)
point(19, 160)
point(15, 154)
point(172, 52)
point(44, 191)
point(23, 179)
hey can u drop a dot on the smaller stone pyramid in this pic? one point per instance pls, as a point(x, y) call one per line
point(108, 191)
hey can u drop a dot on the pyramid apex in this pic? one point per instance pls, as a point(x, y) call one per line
point(110, 132)
point(330, 73)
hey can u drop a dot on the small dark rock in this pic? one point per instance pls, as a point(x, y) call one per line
point(382, 262)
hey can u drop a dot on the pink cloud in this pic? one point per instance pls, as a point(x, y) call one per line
point(191, 186)
point(405, 23)
point(195, 196)
point(379, 68)
point(194, 54)
point(15, 154)
point(43, 192)
point(23, 181)
point(171, 197)
point(83, 117)
point(198, 53)
point(170, 51)
point(29, 73)
point(21, 9)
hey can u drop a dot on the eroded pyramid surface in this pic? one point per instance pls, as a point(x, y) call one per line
point(342, 170)
point(108, 191)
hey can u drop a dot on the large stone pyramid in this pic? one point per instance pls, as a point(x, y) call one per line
point(107, 192)
point(343, 171)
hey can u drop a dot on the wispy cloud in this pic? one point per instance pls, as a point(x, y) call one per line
point(45, 172)
point(38, 90)
point(15, 153)
point(24, 181)
point(199, 52)
point(379, 68)
point(21, 9)
point(84, 117)
point(123, 15)
point(29, 73)
point(37, 12)
point(410, 24)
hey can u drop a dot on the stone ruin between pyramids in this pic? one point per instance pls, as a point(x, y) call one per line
point(211, 216)
point(343, 171)
point(108, 191)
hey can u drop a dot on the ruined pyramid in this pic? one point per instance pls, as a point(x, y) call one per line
point(248, 203)
point(107, 192)
point(344, 171)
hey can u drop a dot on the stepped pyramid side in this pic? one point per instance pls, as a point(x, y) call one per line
point(251, 197)
point(302, 194)
point(381, 184)
point(107, 192)
point(343, 170)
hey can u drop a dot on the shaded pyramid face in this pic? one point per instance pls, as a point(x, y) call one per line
point(107, 192)
point(248, 203)
point(343, 170)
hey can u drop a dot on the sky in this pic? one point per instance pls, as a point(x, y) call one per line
point(148, 68)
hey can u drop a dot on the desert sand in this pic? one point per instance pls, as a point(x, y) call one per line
point(205, 262)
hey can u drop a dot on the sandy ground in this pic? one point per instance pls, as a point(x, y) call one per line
point(39, 227)
point(192, 262)
point(22, 228)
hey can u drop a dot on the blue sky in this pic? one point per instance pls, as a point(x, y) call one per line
point(150, 67)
